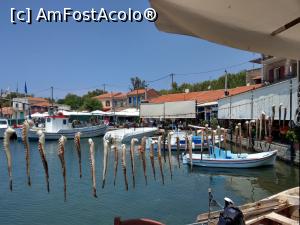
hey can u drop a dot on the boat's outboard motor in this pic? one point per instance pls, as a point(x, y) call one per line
point(231, 214)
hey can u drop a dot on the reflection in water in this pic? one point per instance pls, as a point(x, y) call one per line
point(178, 201)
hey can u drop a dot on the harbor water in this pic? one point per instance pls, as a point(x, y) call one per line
point(177, 202)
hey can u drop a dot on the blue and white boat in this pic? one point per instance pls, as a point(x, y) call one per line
point(226, 159)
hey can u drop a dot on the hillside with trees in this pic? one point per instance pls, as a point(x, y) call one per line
point(233, 80)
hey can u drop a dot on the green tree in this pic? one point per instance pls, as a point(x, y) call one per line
point(137, 83)
point(72, 100)
point(94, 93)
point(92, 104)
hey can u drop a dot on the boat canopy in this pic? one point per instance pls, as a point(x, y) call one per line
point(130, 112)
point(269, 27)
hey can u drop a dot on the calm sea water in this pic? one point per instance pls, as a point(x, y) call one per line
point(177, 202)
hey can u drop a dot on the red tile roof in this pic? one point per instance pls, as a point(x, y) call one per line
point(120, 96)
point(108, 95)
point(137, 91)
point(151, 93)
point(35, 101)
point(202, 96)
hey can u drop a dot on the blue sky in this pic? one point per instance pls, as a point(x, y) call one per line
point(77, 57)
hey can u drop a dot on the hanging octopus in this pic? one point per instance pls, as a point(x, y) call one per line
point(92, 164)
point(61, 155)
point(41, 148)
point(132, 144)
point(78, 149)
point(25, 129)
point(6, 142)
point(123, 162)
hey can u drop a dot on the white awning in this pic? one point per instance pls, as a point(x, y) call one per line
point(264, 26)
point(100, 113)
point(130, 112)
point(171, 110)
point(207, 104)
point(39, 115)
point(73, 113)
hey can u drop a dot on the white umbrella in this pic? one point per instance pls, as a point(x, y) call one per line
point(265, 26)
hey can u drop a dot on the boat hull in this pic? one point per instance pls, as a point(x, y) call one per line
point(125, 135)
point(253, 160)
point(86, 132)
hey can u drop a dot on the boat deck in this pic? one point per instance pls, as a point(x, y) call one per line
point(282, 208)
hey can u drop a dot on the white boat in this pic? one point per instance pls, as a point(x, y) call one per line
point(3, 126)
point(226, 159)
point(58, 125)
point(125, 135)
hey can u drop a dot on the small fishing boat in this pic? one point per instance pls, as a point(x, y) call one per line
point(126, 134)
point(58, 125)
point(281, 208)
point(226, 159)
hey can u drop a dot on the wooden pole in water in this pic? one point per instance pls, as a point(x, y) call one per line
point(260, 126)
point(265, 123)
point(284, 117)
point(236, 136)
point(164, 145)
point(219, 136)
point(270, 128)
point(190, 151)
point(206, 135)
point(247, 134)
point(240, 136)
point(202, 142)
point(279, 115)
point(256, 128)
point(178, 150)
point(186, 147)
point(213, 142)
point(250, 132)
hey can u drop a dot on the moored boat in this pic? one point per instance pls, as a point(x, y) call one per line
point(58, 125)
point(226, 159)
point(281, 208)
point(126, 134)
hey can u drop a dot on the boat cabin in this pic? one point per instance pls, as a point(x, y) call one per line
point(56, 123)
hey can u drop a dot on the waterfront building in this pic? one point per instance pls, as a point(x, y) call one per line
point(135, 97)
point(206, 101)
point(280, 86)
point(113, 100)
point(22, 107)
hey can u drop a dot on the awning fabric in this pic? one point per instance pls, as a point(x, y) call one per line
point(246, 25)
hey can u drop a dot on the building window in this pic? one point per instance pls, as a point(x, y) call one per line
point(64, 122)
point(134, 101)
point(107, 103)
point(138, 100)
point(129, 100)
